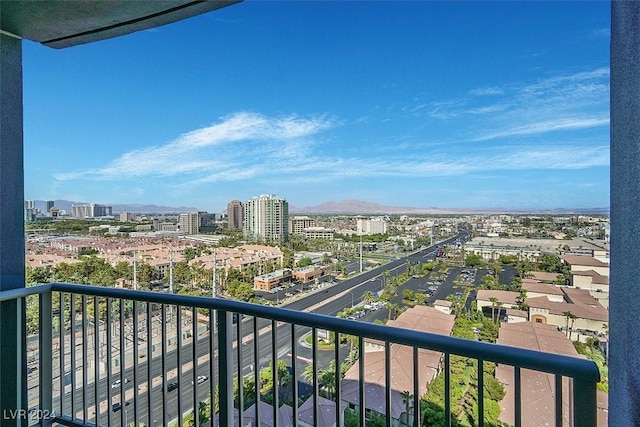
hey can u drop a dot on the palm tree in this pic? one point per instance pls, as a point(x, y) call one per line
point(367, 297)
point(393, 308)
point(499, 307)
point(385, 276)
point(328, 379)
point(494, 301)
point(407, 399)
point(308, 372)
point(573, 319)
point(567, 315)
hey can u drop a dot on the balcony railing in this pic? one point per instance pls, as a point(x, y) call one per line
point(138, 358)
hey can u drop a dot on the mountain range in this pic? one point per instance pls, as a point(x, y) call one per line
point(368, 208)
point(344, 207)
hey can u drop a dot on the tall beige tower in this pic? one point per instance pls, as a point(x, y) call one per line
point(266, 218)
point(189, 223)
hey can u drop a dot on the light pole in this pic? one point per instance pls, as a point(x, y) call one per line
point(361, 252)
point(135, 272)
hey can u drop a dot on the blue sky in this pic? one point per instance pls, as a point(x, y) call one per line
point(421, 104)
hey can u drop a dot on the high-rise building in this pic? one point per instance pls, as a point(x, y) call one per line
point(49, 205)
point(235, 214)
point(298, 224)
point(127, 216)
point(90, 211)
point(266, 218)
point(371, 226)
point(189, 223)
point(29, 210)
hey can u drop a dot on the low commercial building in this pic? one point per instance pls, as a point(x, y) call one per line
point(266, 282)
point(306, 274)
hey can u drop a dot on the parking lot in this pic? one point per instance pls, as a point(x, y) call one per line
point(453, 282)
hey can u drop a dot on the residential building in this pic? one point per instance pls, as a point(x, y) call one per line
point(371, 226)
point(189, 223)
point(420, 318)
point(491, 301)
point(591, 318)
point(91, 210)
point(318, 233)
point(585, 263)
point(235, 214)
point(127, 217)
point(298, 224)
point(29, 210)
point(538, 388)
point(326, 413)
point(266, 218)
point(284, 414)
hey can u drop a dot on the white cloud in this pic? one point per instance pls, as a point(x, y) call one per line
point(211, 150)
point(546, 126)
point(486, 91)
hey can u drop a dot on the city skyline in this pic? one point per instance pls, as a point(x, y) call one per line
point(420, 104)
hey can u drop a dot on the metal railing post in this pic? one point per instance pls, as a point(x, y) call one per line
point(225, 368)
point(584, 398)
point(45, 354)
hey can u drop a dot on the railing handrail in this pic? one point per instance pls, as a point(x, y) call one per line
point(24, 292)
point(579, 369)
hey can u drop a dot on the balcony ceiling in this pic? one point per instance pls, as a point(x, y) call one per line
point(66, 23)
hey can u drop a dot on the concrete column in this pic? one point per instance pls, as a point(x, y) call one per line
point(12, 270)
point(624, 326)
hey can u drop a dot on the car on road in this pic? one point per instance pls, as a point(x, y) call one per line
point(117, 406)
point(172, 386)
point(201, 379)
point(116, 383)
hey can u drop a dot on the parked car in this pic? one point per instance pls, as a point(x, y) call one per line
point(172, 386)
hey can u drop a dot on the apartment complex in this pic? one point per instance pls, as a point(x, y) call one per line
point(235, 214)
point(297, 224)
point(371, 226)
point(189, 223)
point(266, 218)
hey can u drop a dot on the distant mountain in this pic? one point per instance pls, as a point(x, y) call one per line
point(354, 207)
point(66, 205)
point(360, 207)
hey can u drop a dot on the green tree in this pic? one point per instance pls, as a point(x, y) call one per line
point(407, 399)
point(304, 262)
point(474, 260)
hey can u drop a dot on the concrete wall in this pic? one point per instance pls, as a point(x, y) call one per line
point(624, 382)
